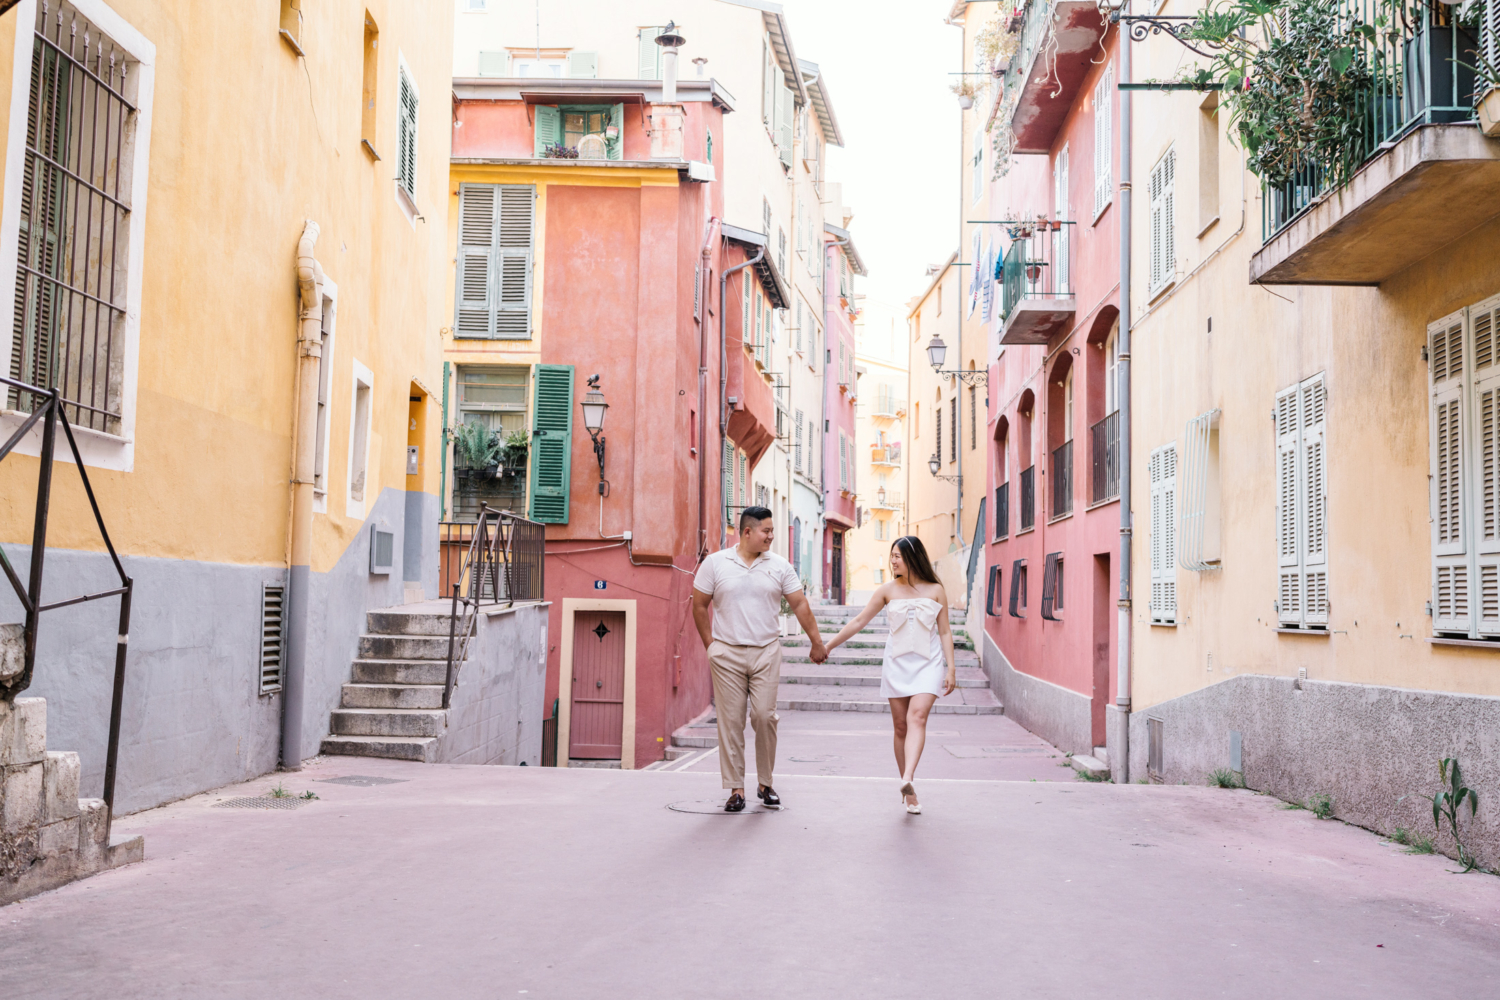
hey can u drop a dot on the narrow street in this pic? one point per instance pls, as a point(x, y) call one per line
point(454, 881)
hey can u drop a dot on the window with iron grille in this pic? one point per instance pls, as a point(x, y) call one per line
point(74, 247)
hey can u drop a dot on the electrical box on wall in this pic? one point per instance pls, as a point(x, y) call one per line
point(413, 459)
point(382, 551)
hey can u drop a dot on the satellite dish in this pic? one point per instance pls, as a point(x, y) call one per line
point(591, 147)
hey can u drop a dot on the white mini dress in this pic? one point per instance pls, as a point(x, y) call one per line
point(913, 662)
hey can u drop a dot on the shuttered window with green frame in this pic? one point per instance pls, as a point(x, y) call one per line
point(552, 444)
point(496, 237)
point(565, 124)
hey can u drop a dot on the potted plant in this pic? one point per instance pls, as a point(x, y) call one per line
point(478, 449)
point(513, 453)
point(966, 92)
point(1486, 73)
point(557, 151)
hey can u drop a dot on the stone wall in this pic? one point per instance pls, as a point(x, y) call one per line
point(496, 712)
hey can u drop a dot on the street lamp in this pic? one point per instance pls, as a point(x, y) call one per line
point(594, 407)
point(934, 464)
point(937, 353)
point(880, 496)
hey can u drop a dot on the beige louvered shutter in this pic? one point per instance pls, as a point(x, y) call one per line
point(474, 316)
point(1103, 140)
point(1451, 599)
point(514, 261)
point(1314, 501)
point(1163, 476)
point(1484, 335)
point(1288, 507)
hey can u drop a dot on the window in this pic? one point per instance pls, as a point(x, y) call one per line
point(879, 573)
point(1112, 370)
point(798, 226)
point(843, 462)
point(1163, 226)
point(371, 86)
point(1062, 206)
point(1199, 545)
point(359, 440)
point(1208, 163)
point(1301, 506)
point(765, 215)
point(534, 67)
point(1018, 589)
point(708, 148)
point(325, 398)
point(552, 444)
point(75, 318)
point(476, 6)
point(495, 225)
point(583, 65)
point(650, 53)
point(797, 447)
point(953, 443)
point(406, 133)
point(973, 418)
point(291, 24)
point(1052, 586)
point(595, 130)
point(1068, 405)
point(977, 181)
point(938, 431)
point(798, 335)
point(493, 399)
point(882, 533)
point(1104, 187)
point(727, 467)
point(781, 249)
point(497, 64)
point(1163, 472)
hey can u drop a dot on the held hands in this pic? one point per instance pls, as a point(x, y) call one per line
point(819, 651)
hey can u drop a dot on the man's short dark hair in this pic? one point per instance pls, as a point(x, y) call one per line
point(753, 515)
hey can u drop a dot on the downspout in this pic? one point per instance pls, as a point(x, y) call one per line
point(703, 290)
point(1121, 770)
point(760, 255)
point(309, 359)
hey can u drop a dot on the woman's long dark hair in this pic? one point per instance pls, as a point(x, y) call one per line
point(914, 555)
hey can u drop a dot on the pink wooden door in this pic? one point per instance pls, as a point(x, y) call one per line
point(598, 716)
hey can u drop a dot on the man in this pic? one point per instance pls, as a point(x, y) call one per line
point(745, 584)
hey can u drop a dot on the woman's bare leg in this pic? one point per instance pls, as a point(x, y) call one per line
point(898, 723)
point(916, 735)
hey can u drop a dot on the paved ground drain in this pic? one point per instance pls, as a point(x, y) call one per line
point(715, 807)
point(361, 780)
point(261, 802)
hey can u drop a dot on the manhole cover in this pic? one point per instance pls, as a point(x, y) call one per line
point(261, 802)
point(817, 758)
point(362, 780)
point(715, 807)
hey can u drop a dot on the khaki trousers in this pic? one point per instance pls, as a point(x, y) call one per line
point(745, 674)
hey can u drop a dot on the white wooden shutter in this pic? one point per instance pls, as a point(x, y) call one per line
point(583, 65)
point(1163, 475)
point(1484, 336)
point(513, 261)
point(650, 53)
point(1451, 600)
point(1288, 529)
point(1163, 229)
point(788, 109)
point(476, 242)
point(406, 136)
point(1314, 504)
point(1103, 140)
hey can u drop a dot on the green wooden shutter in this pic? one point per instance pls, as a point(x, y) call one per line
point(548, 128)
point(583, 65)
point(475, 311)
point(552, 444)
point(614, 148)
point(406, 152)
point(513, 261)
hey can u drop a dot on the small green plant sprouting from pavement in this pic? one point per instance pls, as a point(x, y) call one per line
point(280, 792)
point(1414, 842)
point(308, 795)
point(1090, 775)
point(1225, 778)
point(1449, 801)
point(1321, 805)
point(1293, 805)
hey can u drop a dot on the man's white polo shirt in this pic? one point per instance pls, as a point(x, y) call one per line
point(747, 598)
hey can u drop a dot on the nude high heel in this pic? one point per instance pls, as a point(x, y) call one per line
point(908, 789)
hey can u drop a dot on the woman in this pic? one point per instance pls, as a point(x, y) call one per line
point(912, 673)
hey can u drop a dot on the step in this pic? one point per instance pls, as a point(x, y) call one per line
point(419, 748)
point(1101, 754)
point(675, 752)
point(403, 647)
point(392, 696)
point(968, 677)
point(1090, 765)
point(388, 722)
point(390, 622)
point(400, 672)
point(696, 737)
point(847, 698)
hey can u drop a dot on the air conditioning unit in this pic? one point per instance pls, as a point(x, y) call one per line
point(591, 147)
point(382, 551)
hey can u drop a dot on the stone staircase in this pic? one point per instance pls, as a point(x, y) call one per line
point(393, 704)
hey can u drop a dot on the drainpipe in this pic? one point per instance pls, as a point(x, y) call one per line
point(1121, 771)
point(309, 359)
point(703, 289)
point(760, 255)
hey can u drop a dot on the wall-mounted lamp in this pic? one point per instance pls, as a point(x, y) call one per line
point(594, 407)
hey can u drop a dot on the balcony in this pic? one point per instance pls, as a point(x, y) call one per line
point(888, 456)
point(1425, 174)
point(889, 408)
point(1105, 446)
point(886, 500)
point(1062, 479)
point(1036, 282)
point(1059, 40)
point(1002, 511)
point(1028, 498)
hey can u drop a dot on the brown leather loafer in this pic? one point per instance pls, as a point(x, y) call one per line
point(735, 804)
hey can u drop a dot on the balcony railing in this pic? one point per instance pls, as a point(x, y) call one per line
point(1062, 479)
point(1105, 446)
point(888, 455)
point(1028, 498)
point(1037, 266)
point(1419, 77)
point(888, 406)
point(891, 501)
point(1002, 510)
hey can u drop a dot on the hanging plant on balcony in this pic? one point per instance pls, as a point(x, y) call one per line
point(1002, 137)
point(557, 151)
point(1297, 78)
point(966, 91)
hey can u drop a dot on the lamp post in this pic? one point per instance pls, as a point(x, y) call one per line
point(937, 353)
point(594, 406)
point(933, 465)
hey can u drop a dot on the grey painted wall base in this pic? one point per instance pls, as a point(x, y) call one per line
point(1057, 715)
point(1116, 741)
point(1375, 750)
point(495, 716)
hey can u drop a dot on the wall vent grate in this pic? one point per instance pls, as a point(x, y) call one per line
point(272, 636)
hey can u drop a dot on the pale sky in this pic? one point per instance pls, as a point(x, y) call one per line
point(886, 64)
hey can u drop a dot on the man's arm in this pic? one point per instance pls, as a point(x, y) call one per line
point(797, 600)
point(701, 617)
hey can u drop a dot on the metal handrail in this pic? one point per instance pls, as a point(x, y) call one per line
point(493, 551)
point(50, 413)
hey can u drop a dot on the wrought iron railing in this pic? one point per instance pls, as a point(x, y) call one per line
point(890, 501)
point(1035, 26)
point(889, 406)
point(1105, 446)
point(1420, 62)
point(16, 671)
point(504, 563)
point(1037, 265)
point(1062, 480)
point(1002, 510)
point(1028, 498)
point(889, 455)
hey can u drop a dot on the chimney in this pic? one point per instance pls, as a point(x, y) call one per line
point(668, 119)
point(670, 41)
